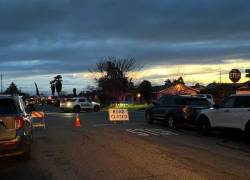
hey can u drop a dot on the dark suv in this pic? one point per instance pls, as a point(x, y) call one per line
point(176, 109)
point(15, 128)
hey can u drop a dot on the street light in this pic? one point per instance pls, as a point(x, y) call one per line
point(138, 97)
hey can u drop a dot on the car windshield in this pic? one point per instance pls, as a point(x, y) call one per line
point(7, 106)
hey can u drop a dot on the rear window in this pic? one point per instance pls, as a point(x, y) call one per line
point(196, 101)
point(192, 101)
point(7, 106)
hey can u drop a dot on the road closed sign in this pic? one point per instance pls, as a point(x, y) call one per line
point(118, 115)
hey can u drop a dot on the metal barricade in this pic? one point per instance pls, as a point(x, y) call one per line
point(38, 116)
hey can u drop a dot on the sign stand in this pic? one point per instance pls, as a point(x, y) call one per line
point(235, 76)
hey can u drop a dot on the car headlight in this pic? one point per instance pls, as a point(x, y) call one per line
point(69, 104)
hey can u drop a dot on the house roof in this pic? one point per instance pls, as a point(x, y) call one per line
point(245, 86)
point(186, 87)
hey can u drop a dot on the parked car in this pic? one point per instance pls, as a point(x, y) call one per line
point(15, 128)
point(79, 104)
point(233, 112)
point(209, 98)
point(176, 109)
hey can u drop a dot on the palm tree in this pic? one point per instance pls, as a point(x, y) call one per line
point(74, 91)
point(52, 87)
point(58, 84)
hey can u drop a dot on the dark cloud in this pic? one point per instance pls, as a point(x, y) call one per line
point(71, 35)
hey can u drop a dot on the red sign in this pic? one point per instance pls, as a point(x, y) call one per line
point(234, 75)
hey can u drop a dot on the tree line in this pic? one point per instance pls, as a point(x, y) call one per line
point(113, 82)
point(112, 79)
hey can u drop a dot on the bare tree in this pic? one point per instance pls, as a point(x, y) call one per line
point(113, 75)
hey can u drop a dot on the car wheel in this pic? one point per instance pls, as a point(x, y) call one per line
point(203, 126)
point(148, 118)
point(96, 108)
point(171, 122)
point(77, 109)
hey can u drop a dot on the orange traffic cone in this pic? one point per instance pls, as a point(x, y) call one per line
point(77, 122)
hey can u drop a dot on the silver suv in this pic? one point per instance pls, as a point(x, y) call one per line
point(15, 128)
point(233, 112)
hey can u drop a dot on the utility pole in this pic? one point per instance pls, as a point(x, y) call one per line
point(220, 76)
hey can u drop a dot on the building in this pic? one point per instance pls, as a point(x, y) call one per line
point(177, 89)
point(244, 89)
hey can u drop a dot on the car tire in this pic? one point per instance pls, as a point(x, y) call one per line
point(96, 108)
point(148, 118)
point(203, 126)
point(77, 109)
point(171, 122)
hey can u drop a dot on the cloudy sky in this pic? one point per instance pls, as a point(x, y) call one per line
point(196, 39)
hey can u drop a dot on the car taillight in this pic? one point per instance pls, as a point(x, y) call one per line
point(19, 122)
point(184, 109)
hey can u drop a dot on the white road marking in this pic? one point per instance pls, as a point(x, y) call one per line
point(149, 131)
point(153, 131)
point(138, 133)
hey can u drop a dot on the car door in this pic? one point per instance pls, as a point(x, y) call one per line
point(162, 108)
point(166, 107)
point(225, 114)
point(89, 104)
point(156, 110)
point(242, 111)
point(85, 104)
point(82, 102)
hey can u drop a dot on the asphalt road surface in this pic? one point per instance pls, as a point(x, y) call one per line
point(131, 150)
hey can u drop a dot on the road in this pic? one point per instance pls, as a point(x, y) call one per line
point(132, 150)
